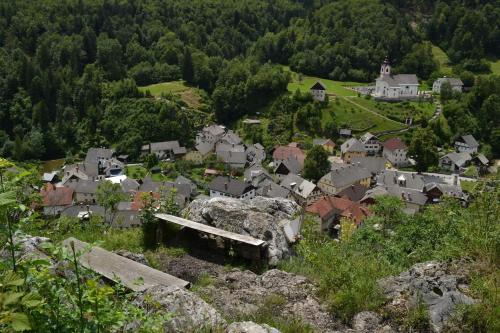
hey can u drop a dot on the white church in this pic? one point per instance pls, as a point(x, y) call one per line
point(395, 87)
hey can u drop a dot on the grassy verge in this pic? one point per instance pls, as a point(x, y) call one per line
point(399, 111)
point(188, 94)
point(442, 58)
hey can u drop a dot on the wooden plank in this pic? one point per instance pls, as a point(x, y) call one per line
point(131, 274)
point(211, 230)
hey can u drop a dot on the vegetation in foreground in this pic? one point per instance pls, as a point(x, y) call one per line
point(390, 242)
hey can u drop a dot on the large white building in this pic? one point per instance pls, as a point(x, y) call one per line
point(395, 87)
point(455, 83)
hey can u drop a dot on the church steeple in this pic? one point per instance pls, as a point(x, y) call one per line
point(385, 69)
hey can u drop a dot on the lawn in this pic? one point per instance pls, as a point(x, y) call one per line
point(188, 94)
point(52, 165)
point(495, 67)
point(442, 59)
point(359, 120)
point(399, 111)
point(332, 87)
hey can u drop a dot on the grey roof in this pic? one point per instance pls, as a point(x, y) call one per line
point(94, 154)
point(256, 173)
point(399, 79)
point(148, 185)
point(223, 147)
point(234, 159)
point(447, 189)
point(345, 131)
point(72, 211)
point(129, 185)
point(408, 194)
point(393, 178)
point(204, 147)
point(366, 137)
point(352, 145)
point(374, 164)
point(355, 192)
point(84, 186)
point(459, 159)
point(256, 153)
point(231, 186)
point(292, 164)
point(482, 159)
point(85, 168)
point(161, 146)
point(270, 189)
point(375, 192)
point(470, 141)
point(215, 129)
point(347, 174)
point(453, 81)
point(183, 180)
point(321, 141)
point(49, 176)
point(298, 185)
point(231, 138)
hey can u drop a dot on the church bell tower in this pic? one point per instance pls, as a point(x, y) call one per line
point(385, 69)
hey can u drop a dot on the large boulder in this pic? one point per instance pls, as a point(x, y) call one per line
point(239, 293)
point(250, 327)
point(189, 312)
point(26, 247)
point(262, 218)
point(440, 286)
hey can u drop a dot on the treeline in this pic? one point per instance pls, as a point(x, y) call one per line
point(61, 61)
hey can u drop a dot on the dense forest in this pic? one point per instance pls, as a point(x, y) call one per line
point(69, 68)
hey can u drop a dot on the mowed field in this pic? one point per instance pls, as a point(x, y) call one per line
point(189, 95)
point(332, 87)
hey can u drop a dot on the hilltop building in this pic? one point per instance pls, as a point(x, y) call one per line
point(395, 87)
point(318, 91)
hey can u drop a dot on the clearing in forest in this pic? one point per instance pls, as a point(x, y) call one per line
point(188, 94)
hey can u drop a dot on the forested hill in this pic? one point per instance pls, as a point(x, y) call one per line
point(66, 67)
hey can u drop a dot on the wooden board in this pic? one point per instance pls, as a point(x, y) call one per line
point(212, 230)
point(131, 274)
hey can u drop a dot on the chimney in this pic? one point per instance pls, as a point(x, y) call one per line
point(292, 185)
point(455, 179)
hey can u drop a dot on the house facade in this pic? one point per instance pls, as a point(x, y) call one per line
point(318, 91)
point(352, 148)
point(230, 187)
point(395, 87)
point(327, 144)
point(395, 151)
point(343, 176)
point(466, 144)
point(455, 83)
point(371, 143)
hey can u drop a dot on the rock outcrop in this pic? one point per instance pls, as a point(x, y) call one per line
point(189, 311)
point(439, 286)
point(27, 247)
point(261, 218)
point(250, 327)
point(293, 296)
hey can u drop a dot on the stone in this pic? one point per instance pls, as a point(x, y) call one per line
point(438, 285)
point(137, 257)
point(262, 218)
point(366, 321)
point(250, 327)
point(239, 293)
point(189, 312)
point(27, 247)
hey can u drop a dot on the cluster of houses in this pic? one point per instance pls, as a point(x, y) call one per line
point(365, 169)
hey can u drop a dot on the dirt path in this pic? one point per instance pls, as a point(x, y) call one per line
point(348, 98)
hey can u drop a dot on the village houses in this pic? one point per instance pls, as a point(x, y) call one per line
point(342, 176)
point(395, 151)
point(455, 84)
point(352, 148)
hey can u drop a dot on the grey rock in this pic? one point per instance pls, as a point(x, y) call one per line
point(438, 285)
point(189, 311)
point(239, 293)
point(138, 257)
point(250, 327)
point(366, 321)
point(260, 218)
point(27, 247)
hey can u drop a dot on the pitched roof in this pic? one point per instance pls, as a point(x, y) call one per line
point(394, 143)
point(148, 185)
point(318, 86)
point(224, 147)
point(374, 164)
point(49, 176)
point(366, 137)
point(408, 194)
point(231, 186)
point(346, 174)
point(345, 131)
point(85, 186)
point(298, 185)
point(285, 152)
point(256, 173)
point(161, 146)
point(327, 206)
point(355, 192)
point(482, 159)
point(256, 153)
point(399, 79)
point(469, 141)
point(94, 154)
point(56, 196)
point(393, 178)
point(352, 145)
point(291, 164)
point(453, 81)
point(459, 159)
point(215, 130)
point(231, 138)
point(233, 158)
point(204, 147)
point(270, 189)
point(129, 185)
point(322, 142)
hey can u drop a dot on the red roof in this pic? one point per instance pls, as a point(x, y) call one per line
point(56, 196)
point(138, 203)
point(394, 143)
point(326, 206)
point(285, 152)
